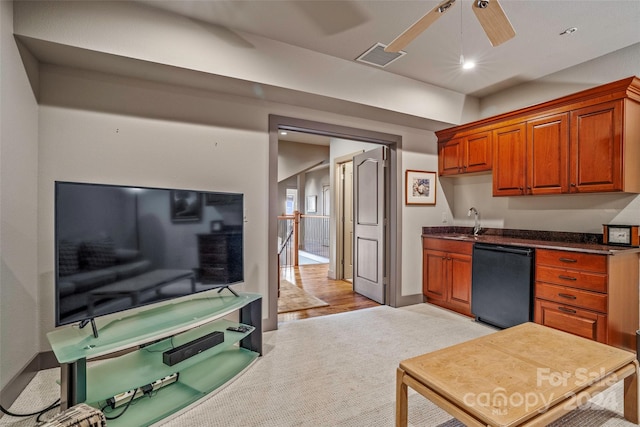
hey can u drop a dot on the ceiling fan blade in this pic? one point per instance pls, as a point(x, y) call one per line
point(418, 27)
point(494, 21)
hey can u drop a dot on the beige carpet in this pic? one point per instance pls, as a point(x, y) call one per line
point(293, 298)
point(337, 370)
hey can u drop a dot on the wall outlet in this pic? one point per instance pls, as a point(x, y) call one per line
point(444, 218)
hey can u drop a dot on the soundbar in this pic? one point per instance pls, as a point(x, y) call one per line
point(197, 346)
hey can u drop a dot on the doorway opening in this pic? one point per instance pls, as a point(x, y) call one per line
point(331, 274)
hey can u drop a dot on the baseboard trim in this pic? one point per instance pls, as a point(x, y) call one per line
point(17, 384)
point(409, 300)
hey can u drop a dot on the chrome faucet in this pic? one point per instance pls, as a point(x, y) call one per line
point(476, 221)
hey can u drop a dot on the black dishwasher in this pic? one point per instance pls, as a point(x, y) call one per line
point(502, 284)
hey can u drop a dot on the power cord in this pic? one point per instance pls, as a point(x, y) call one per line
point(38, 413)
point(145, 389)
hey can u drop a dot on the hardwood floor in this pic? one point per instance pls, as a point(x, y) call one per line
point(337, 293)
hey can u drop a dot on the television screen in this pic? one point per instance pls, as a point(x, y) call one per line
point(120, 247)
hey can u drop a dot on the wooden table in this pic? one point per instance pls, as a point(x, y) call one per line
point(527, 375)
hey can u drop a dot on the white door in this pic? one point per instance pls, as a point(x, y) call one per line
point(347, 238)
point(369, 196)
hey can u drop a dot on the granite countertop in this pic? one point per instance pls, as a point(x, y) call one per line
point(577, 242)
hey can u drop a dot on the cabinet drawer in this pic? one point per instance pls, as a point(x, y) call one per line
point(579, 322)
point(571, 296)
point(447, 245)
point(575, 260)
point(573, 278)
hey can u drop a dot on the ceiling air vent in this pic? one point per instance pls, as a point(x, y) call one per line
point(378, 57)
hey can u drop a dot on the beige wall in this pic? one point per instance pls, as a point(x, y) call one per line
point(102, 128)
point(19, 300)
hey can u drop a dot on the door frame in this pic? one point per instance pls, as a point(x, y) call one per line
point(394, 142)
point(338, 273)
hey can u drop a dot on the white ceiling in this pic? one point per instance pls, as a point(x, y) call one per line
point(346, 29)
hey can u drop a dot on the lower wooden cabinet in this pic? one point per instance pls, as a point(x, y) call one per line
point(591, 295)
point(446, 274)
point(584, 323)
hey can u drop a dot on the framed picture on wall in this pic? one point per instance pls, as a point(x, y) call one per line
point(186, 206)
point(420, 187)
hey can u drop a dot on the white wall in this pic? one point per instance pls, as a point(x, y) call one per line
point(19, 300)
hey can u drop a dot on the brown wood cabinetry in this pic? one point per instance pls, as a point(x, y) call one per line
point(532, 157)
point(446, 273)
point(591, 295)
point(582, 143)
point(465, 154)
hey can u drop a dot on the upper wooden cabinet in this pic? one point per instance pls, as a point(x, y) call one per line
point(582, 143)
point(465, 154)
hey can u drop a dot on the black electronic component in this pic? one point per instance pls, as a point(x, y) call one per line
point(185, 351)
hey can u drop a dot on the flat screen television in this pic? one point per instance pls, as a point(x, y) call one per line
point(120, 247)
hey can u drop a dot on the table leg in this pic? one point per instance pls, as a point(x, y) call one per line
point(402, 402)
point(631, 396)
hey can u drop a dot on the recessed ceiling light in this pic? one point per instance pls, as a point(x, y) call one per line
point(569, 31)
point(466, 64)
point(283, 132)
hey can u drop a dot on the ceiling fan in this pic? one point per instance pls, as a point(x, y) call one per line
point(493, 20)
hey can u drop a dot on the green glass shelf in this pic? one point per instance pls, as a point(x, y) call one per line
point(113, 376)
point(117, 333)
point(193, 383)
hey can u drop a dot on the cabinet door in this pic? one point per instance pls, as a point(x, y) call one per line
point(548, 155)
point(596, 148)
point(434, 280)
point(460, 282)
point(509, 160)
point(571, 319)
point(477, 153)
point(450, 154)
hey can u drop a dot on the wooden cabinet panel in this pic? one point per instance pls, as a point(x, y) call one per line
point(435, 276)
point(596, 147)
point(574, 278)
point(582, 143)
point(465, 154)
point(565, 295)
point(450, 155)
point(478, 153)
point(460, 291)
point(573, 320)
point(446, 275)
point(575, 260)
point(548, 155)
point(509, 160)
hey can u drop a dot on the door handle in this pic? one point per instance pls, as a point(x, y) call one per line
point(568, 296)
point(567, 277)
point(567, 260)
point(567, 310)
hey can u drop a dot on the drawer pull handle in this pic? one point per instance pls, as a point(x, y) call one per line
point(568, 260)
point(567, 277)
point(567, 296)
point(567, 310)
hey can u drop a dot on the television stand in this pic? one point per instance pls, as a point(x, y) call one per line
point(223, 287)
point(94, 328)
point(133, 347)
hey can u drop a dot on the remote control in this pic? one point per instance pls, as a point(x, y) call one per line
point(241, 328)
